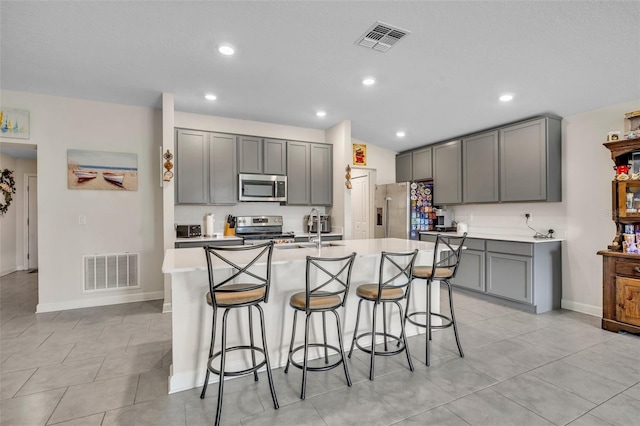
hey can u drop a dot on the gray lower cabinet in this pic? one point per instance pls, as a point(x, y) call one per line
point(309, 174)
point(200, 243)
point(524, 275)
point(205, 168)
point(262, 156)
point(530, 155)
point(480, 168)
point(447, 173)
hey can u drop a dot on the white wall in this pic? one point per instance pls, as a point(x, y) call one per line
point(584, 215)
point(117, 221)
point(340, 136)
point(8, 223)
point(380, 159)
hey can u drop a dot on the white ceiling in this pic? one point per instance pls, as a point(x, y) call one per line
point(294, 58)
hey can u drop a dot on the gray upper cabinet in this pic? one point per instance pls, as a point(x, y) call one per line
point(421, 164)
point(404, 167)
point(530, 161)
point(275, 157)
point(321, 174)
point(298, 173)
point(309, 174)
point(415, 165)
point(262, 156)
point(447, 173)
point(205, 168)
point(249, 154)
point(480, 168)
point(192, 164)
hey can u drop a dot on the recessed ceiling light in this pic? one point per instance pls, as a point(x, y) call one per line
point(321, 113)
point(400, 134)
point(506, 97)
point(369, 81)
point(226, 49)
point(210, 97)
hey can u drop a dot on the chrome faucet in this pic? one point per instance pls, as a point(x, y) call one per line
point(318, 240)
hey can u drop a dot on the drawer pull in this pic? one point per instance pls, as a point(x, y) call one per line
point(637, 269)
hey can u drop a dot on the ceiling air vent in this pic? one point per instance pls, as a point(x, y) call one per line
point(381, 37)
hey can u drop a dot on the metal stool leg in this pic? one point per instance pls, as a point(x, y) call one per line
point(373, 343)
point(384, 325)
point(253, 354)
point(428, 324)
point(324, 334)
point(293, 335)
point(355, 332)
point(344, 361)
point(266, 358)
point(306, 356)
point(453, 319)
point(223, 356)
point(404, 337)
point(213, 339)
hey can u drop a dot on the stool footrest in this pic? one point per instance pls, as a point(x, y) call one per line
point(400, 344)
point(447, 321)
point(238, 372)
point(321, 368)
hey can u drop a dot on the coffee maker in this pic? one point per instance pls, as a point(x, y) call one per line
point(443, 221)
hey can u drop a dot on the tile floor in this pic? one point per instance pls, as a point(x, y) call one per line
point(109, 366)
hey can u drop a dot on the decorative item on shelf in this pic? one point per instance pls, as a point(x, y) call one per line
point(622, 172)
point(613, 136)
point(168, 165)
point(8, 187)
point(632, 124)
point(348, 177)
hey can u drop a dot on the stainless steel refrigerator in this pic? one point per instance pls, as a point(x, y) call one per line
point(404, 209)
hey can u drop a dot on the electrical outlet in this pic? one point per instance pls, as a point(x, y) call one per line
point(529, 217)
point(82, 220)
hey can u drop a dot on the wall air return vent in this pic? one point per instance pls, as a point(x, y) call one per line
point(111, 271)
point(381, 37)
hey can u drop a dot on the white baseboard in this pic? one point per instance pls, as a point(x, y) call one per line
point(7, 271)
point(596, 311)
point(99, 301)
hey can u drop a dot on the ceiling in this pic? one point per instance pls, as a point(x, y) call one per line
point(295, 58)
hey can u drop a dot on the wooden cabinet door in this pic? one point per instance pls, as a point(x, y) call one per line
point(192, 167)
point(480, 162)
point(628, 300)
point(404, 171)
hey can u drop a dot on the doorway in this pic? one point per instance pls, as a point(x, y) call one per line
point(31, 231)
point(361, 203)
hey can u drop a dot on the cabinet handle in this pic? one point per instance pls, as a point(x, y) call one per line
point(637, 269)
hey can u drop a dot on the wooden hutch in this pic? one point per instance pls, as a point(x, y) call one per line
point(620, 270)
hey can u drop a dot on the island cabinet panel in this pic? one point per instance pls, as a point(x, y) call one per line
point(249, 154)
point(275, 157)
point(298, 173)
point(530, 167)
point(192, 167)
point(321, 175)
point(404, 167)
point(447, 173)
point(480, 168)
point(205, 168)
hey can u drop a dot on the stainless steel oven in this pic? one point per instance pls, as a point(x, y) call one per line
point(262, 187)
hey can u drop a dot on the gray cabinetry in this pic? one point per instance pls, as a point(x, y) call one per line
point(309, 174)
point(216, 243)
point(192, 164)
point(205, 168)
point(509, 270)
point(321, 175)
point(447, 173)
point(422, 164)
point(472, 266)
point(480, 168)
point(415, 165)
point(262, 156)
point(530, 161)
point(404, 167)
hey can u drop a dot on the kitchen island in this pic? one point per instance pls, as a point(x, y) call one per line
point(191, 317)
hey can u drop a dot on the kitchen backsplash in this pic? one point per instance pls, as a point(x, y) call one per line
point(291, 215)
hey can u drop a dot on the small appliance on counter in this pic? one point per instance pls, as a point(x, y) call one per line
point(188, 231)
point(325, 224)
point(443, 221)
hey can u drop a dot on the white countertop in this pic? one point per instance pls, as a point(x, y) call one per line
point(193, 259)
point(327, 234)
point(214, 238)
point(497, 237)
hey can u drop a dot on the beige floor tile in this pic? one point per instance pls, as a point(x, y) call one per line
point(10, 383)
point(30, 410)
point(62, 376)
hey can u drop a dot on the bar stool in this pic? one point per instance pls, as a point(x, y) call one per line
point(228, 294)
point(393, 285)
point(449, 249)
point(327, 287)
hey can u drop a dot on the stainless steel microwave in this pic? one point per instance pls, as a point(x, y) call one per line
point(262, 187)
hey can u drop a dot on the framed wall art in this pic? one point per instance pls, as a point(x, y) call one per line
point(14, 123)
point(359, 154)
point(102, 170)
